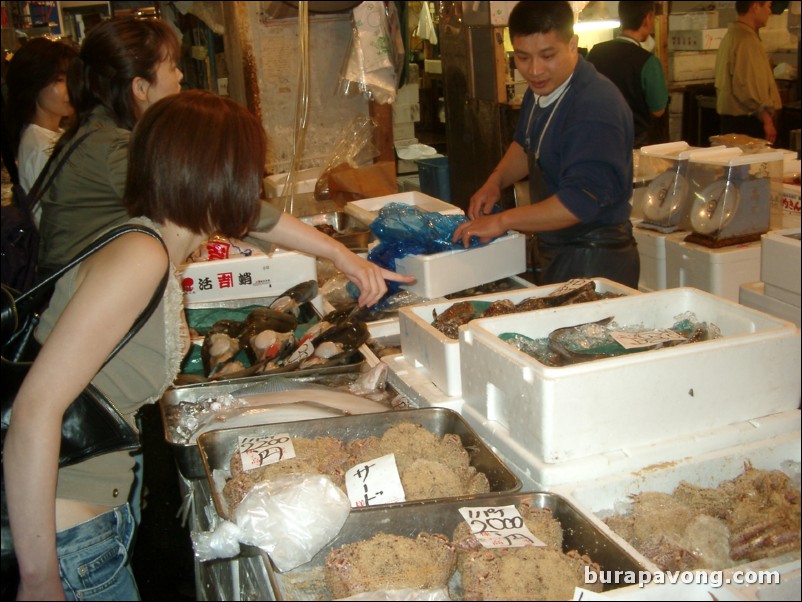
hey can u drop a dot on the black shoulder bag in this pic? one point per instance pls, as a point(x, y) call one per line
point(92, 425)
point(20, 242)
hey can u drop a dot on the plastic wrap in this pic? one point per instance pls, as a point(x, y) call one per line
point(292, 517)
point(375, 59)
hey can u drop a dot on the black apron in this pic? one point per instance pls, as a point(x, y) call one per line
point(582, 250)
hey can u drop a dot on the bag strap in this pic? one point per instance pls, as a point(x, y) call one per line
point(39, 185)
point(33, 296)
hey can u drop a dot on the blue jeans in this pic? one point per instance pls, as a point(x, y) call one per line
point(94, 557)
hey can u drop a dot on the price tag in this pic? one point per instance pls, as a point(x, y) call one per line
point(647, 338)
point(499, 527)
point(374, 482)
point(569, 286)
point(256, 452)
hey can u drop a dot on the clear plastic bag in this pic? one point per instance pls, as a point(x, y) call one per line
point(375, 59)
point(402, 594)
point(292, 517)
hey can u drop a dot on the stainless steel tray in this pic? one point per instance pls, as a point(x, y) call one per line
point(217, 447)
point(347, 229)
point(186, 454)
point(307, 582)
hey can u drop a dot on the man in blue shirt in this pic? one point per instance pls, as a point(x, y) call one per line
point(636, 71)
point(574, 142)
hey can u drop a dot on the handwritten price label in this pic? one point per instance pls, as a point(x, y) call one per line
point(647, 338)
point(374, 482)
point(499, 527)
point(569, 286)
point(256, 452)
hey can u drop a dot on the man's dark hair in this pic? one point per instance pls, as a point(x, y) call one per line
point(528, 18)
point(632, 14)
point(742, 8)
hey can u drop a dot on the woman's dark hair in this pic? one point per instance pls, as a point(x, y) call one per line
point(36, 65)
point(197, 159)
point(528, 18)
point(112, 55)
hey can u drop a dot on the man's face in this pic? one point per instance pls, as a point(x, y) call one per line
point(762, 13)
point(545, 60)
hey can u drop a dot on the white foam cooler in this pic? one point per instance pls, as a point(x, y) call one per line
point(600, 498)
point(652, 252)
point(437, 356)
point(562, 413)
point(246, 277)
point(719, 271)
point(444, 273)
point(753, 294)
point(781, 265)
point(544, 476)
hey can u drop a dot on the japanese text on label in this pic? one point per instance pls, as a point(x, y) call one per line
point(256, 452)
point(374, 482)
point(499, 527)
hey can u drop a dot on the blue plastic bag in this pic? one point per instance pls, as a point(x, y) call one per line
point(406, 230)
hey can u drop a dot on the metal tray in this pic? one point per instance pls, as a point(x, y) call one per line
point(307, 582)
point(186, 454)
point(347, 229)
point(217, 447)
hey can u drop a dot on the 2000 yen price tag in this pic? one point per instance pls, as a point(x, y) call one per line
point(499, 527)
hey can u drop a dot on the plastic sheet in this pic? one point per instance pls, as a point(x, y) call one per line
point(292, 517)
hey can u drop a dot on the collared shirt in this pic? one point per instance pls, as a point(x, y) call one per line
point(545, 100)
point(745, 83)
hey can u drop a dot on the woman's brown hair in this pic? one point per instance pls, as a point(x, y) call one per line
point(112, 55)
point(197, 159)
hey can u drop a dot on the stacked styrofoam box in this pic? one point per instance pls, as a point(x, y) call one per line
point(590, 408)
point(437, 356)
point(719, 271)
point(652, 252)
point(778, 292)
point(693, 20)
point(692, 66)
point(602, 497)
point(780, 265)
point(700, 39)
point(256, 276)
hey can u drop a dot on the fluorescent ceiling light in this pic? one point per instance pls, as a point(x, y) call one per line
point(595, 25)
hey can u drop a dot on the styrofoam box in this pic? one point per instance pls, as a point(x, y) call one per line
point(652, 251)
point(690, 66)
point(700, 39)
point(602, 497)
point(576, 411)
point(541, 476)
point(693, 20)
point(437, 356)
point(719, 271)
point(305, 181)
point(366, 210)
point(246, 277)
point(753, 294)
point(781, 265)
point(444, 273)
point(416, 386)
